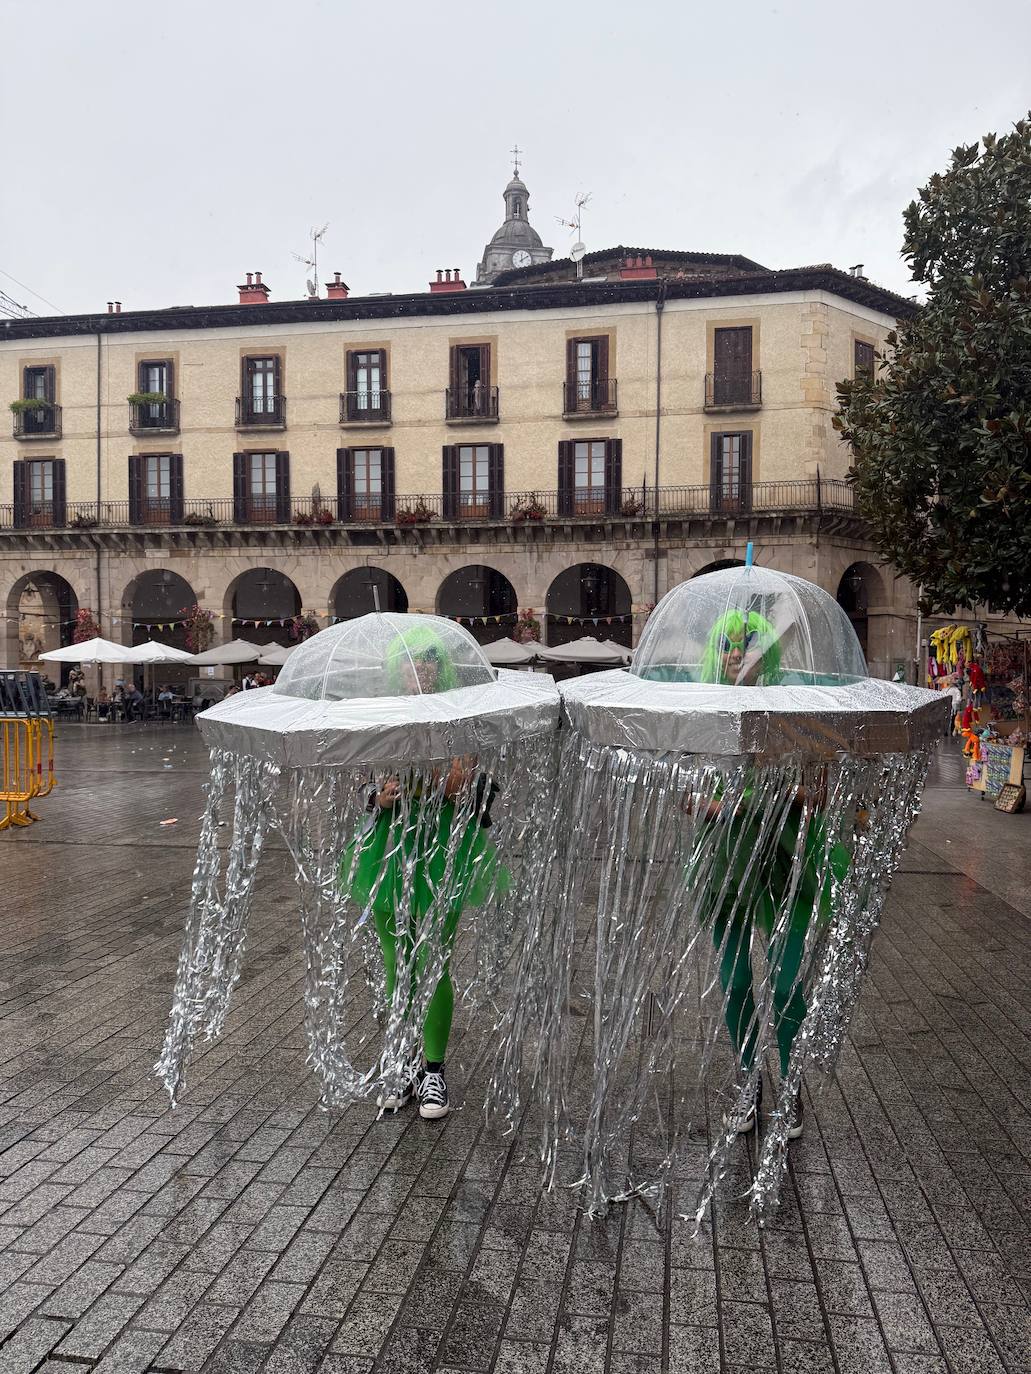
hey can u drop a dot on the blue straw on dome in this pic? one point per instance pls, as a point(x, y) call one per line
point(748, 554)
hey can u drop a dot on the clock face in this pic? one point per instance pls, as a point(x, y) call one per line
point(521, 258)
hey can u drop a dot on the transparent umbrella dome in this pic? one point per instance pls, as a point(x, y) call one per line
point(749, 627)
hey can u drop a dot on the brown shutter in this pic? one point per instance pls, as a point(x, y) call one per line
point(240, 488)
point(746, 471)
point(454, 374)
point(60, 493)
point(565, 477)
point(351, 372)
point(170, 380)
point(601, 376)
point(387, 484)
point(345, 484)
point(21, 494)
point(176, 501)
point(141, 376)
point(496, 480)
point(450, 481)
point(571, 372)
point(49, 383)
point(715, 480)
point(135, 489)
point(614, 477)
point(282, 478)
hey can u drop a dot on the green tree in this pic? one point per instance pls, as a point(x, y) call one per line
point(941, 435)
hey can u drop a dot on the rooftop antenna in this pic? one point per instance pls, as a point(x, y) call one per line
point(578, 249)
point(316, 236)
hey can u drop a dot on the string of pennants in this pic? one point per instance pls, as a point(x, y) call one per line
point(333, 619)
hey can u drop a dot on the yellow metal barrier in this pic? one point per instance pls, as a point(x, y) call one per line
point(27, 752)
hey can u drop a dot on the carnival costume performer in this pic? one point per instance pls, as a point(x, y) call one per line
point(399, 848)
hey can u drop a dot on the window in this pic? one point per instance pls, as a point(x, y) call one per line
point(470, 395)
point(365, 483)
point(156, 489)
point(262, 400)
point(732, 381)
point(39, 492)
point(367, 395)
point(474, 481)
point(368, 482)
point(864, 362)
point(38, 384)
point(261, 488)
point(730, 472)
point(588, 389)
point(155, 377)
point(590, 476)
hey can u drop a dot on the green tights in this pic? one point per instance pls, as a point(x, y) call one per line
point(437, 1026)
point(785, 959)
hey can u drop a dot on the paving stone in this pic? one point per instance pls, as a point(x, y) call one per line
point(30, 1345)
point(79, 1292)
point(98, 1328)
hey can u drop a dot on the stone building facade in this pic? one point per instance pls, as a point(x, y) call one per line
point(571, 443)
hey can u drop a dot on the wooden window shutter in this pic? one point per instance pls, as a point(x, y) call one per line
point(450, 481)
point(571, 367)
point(485, 365)
point(715, 476)
point(614, 477)
point(60, 493)
point(745, 476)
point(21, 494)
point(345, 484)
point(601, 376)
point(351, 371)
point(49, 383)
point(170, 380)
point(240, 466)
point(282, 479)
point(387, 484)
point(135, 489)
point(454, 373)
point(496, 480)
point(565, 477)
point(176, 500)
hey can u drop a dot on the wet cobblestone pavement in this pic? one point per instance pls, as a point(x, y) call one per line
point(248, 1231)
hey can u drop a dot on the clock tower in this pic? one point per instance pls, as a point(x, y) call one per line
point(516, 244)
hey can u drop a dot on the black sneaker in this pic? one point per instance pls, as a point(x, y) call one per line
point(433, 1099)
point(393, 1102)
point(745, 1122)
point(795, 1119)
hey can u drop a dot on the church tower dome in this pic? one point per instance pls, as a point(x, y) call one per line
point(516, 243)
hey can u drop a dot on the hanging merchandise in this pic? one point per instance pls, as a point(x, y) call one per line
point(410, 781)
point(744, 793)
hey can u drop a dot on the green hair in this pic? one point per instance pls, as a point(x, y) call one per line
point(420, 643)
point(732, 625)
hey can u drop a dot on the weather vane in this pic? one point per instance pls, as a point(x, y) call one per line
point(515, 158)
point(316, 236)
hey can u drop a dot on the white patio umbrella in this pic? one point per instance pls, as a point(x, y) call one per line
point(506, 653)
point(155, 652)
point(276, 655)
point(584, 650)
point(224, 655)
point(90, 651)
point(624, 653)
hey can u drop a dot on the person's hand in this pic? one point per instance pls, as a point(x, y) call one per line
point(459, 774)
point(389, 793)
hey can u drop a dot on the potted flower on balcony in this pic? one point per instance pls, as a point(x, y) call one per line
point(147, 398)
point(198, 627)
point(529, 507)
point(632, 506)
point(527, 629)
point(86, 626)
point(207, 518)
point(83, 522)
point(303, 626)
point(25, 403)
point(418, 514)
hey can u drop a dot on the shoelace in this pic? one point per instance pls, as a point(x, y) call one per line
point(433, 1089)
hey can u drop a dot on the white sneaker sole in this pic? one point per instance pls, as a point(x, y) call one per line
point(392, 1105)
point(430, 1112)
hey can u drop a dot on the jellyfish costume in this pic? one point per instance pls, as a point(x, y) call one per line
point(469, 753)
point(731, 811)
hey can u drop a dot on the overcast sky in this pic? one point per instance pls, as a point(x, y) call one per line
point(154, 153)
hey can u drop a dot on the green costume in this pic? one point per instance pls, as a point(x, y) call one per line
point(760, 870)
point(402, 838)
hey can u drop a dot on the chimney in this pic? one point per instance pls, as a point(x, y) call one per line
point(254, 291)
point(637, 268)
point(448, 283)
point(118, 307)
point(336, 290)
point(857, 271)
point(110, 307)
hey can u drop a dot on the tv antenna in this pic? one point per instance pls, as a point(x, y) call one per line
point(578, 250)
point(316, 236)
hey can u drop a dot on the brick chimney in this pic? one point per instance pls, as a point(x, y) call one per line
point(336, 290)
point(446, 282)
point(634, 269)
point(254, 291)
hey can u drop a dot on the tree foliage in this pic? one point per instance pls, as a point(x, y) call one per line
point(941, 435)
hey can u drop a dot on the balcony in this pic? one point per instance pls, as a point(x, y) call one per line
point(733, 391)
point(476, 403)
point(365, 407)
point(261, 412)
point(582, 398)
point(154, 417)
point(38, 421)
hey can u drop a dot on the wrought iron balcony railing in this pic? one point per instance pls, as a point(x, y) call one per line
point(365, 407)
point(475, 402)
point(589, 398)
point(261, 412)
point(154, 417)
point(42, 421)
point(805, 495)
point(733, 391)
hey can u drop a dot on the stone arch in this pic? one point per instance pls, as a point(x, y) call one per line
point(860, 587)
point(41, 610)
point(719, 564)
point(152, 607)
point(481, 598)
point(584, 593)
point(355, 593)
point(258, 604)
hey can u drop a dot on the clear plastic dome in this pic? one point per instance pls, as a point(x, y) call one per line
point(749, 627)
point(384, 655)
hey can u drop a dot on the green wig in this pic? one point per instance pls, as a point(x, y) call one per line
point(733, 627)
point(420, 644)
